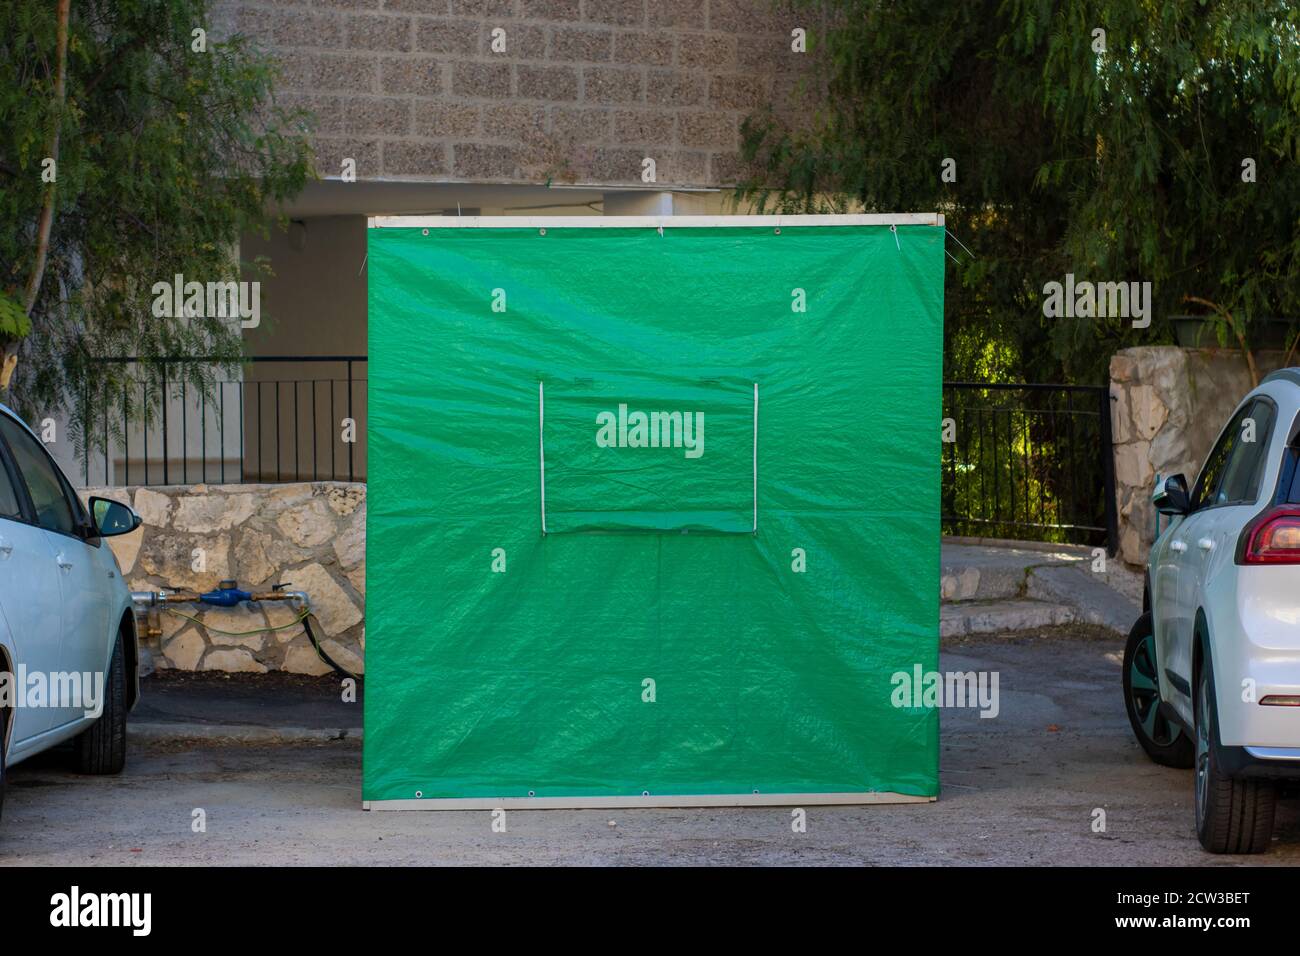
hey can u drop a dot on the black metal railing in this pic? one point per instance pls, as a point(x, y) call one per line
point(255, 428)
point(1031, 462)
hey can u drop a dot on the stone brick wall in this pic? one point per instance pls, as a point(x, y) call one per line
point(583, 92)
point(312, 535)
point(1168, 404)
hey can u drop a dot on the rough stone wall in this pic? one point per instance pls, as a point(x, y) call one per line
point(1168, 405)
point(312, 535)
point(583, 92)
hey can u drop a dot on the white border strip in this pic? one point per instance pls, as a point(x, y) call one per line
point(652, 222)
point(541, 445)
point(698, 800)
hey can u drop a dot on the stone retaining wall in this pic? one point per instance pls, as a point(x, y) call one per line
point(312, 535)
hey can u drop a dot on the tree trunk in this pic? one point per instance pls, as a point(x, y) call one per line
point(9, 354)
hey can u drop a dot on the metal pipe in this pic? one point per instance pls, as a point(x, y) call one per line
point(144, 600)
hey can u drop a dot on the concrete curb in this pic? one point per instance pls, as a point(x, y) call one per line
point(993, 617)
point(237, 733)
point(985, 589)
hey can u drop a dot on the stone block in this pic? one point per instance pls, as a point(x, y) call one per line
point(1133, 466)
point(611, 85)
point(302, 659)
point(246, 621)
point(153, 508)
point(555, 83)
point(456, 37)
point(416, 75)
point(203, 514)
point(484, 161)
point(481, 80)
point(345, 657)
point(1148, 412)
point(623, 13)
point(234, 660)
point(350, 546)
point(644, 49)
point(436, 119)
point(576, 45)
point(330, 604)
point(184, 650)
point(386, 33)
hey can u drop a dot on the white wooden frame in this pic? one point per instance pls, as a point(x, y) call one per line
point(650, 222)
point(656, 802)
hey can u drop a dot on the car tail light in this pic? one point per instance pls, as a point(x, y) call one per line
point(1272, 538)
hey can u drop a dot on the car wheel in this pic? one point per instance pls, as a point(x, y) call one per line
point(4, 733)
point(101, 748)
point(1163, 740)
point(1232, 816)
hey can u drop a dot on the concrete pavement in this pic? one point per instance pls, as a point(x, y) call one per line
point(250, 708)
point(1024, 787)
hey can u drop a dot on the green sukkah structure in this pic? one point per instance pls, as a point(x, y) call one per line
point(653, 514)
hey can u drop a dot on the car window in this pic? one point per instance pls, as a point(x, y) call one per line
point(53, 511)
point(1245, 467)
point(1207, 485)
point(9, 507)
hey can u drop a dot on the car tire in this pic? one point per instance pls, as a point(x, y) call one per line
point(4, 774)
point(1164, 741)
point(101, 748)
point(1232, 815)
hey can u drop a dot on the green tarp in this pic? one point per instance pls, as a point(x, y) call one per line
point(726, 583)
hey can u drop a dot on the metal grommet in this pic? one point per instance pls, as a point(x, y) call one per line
point(419, 794)
point(424, 231)
point(777, 230)
point(532, 793)
point(645, 793)
point(542, 230)
point(755, 793)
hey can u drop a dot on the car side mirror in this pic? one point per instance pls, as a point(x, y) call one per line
point(1172, 498)
point(112, 517)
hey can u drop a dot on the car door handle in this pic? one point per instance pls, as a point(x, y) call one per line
point(1205, 544)
point(64, 563)
point(6, 547)
point(1179, 546)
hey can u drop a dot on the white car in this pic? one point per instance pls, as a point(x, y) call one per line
point(1212, 667)
point(68, 652)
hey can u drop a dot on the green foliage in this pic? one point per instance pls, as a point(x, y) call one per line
point(14, 324)
point(1123, 165)
point(166, 156)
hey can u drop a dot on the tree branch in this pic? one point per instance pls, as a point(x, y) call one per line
point(1236, 330)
